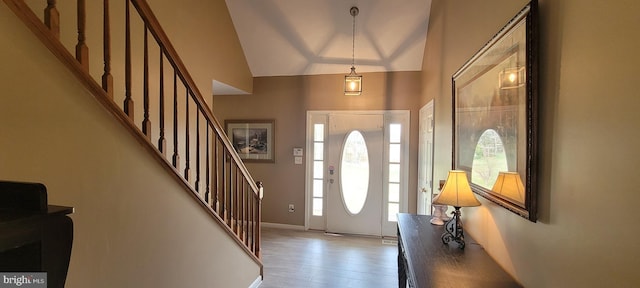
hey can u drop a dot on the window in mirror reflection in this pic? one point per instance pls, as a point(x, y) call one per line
point(489, 159)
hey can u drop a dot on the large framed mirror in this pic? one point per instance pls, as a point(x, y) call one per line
point(495, 116)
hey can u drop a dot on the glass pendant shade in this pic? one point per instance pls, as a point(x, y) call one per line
point(353, 83)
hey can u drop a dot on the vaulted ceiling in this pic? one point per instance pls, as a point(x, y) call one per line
point(308, 37)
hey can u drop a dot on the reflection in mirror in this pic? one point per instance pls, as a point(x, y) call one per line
point(488, 160)
point(509, 185)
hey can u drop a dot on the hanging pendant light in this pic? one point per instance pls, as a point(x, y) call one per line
point(353, 81)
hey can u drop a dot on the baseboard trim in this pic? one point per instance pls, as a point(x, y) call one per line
point(282, 226)
point(256, 283)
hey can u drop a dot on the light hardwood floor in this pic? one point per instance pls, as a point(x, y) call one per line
point(314, 259)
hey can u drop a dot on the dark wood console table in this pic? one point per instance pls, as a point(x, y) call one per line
point(424, 261)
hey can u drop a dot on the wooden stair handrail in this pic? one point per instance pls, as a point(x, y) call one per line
point(154, 27)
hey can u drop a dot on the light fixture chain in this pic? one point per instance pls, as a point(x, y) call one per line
point(353, 41)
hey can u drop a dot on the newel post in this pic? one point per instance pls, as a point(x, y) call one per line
point(259, 217)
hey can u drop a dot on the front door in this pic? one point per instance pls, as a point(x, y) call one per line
point(355, 169)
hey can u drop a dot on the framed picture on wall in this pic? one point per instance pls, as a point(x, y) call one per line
point(495, 116)
point(253, 139)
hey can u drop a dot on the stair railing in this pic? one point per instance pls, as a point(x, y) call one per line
point(177, 126)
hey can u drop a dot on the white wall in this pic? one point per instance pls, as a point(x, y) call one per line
point(134, 225)
point(587, 233)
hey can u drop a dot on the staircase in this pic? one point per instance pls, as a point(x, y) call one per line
point(161, 107)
